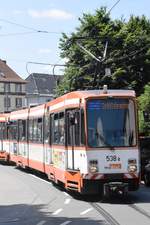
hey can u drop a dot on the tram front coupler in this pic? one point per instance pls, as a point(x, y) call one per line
point(115, 188)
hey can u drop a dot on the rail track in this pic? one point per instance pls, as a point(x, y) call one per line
point(108, 217)
point(140, 210)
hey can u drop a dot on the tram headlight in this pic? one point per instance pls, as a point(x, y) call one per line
point(132, 165)
point(93, 166)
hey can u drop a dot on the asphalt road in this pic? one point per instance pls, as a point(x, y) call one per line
point(28, 199)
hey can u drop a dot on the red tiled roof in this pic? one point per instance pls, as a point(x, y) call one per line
point(8, 75)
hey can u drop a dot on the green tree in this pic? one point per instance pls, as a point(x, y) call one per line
point(144, 105)
point(128, 53)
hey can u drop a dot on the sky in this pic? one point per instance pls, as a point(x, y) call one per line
point(20, 21)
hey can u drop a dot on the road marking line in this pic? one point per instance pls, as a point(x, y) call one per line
point(67, 200)
point(65, 223)
point(41, 222)
point(8, 220)
point(57, 211)
point(65, 193)
point(86, 211)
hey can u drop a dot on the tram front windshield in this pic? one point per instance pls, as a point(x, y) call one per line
point(111, 122)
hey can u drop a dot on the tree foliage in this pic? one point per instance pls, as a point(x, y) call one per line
point(144, 105)
point(128, 53)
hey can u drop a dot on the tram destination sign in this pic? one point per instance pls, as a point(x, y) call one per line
point(108, 104)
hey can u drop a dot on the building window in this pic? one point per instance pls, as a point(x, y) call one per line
point(7, 102)
point(18, 88)
point(18, 102)
point(6, 87)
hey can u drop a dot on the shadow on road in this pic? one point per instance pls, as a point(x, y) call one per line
point(23, 214)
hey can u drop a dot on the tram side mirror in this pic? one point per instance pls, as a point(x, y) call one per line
point(146, 115)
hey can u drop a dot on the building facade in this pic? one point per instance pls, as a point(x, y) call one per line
point(40, 88)
point(12, 89)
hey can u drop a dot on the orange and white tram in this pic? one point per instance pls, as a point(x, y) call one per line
point(84, 140)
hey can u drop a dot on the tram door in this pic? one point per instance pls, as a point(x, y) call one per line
point(22, 140)
point(73, 133)
point(13, 137)
point(46, 133)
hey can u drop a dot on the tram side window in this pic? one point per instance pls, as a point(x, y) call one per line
point(61, 128)
point(46, 129)
point(57, 127)
point(39, 136)
point(1, 131)
point(5, 131)
point(77, 128)
point(55, 130)
point(22, 130)
point(36, 130)
point(13, 130)
point(30, 130)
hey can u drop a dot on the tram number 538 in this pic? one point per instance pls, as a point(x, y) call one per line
point(112, 158)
